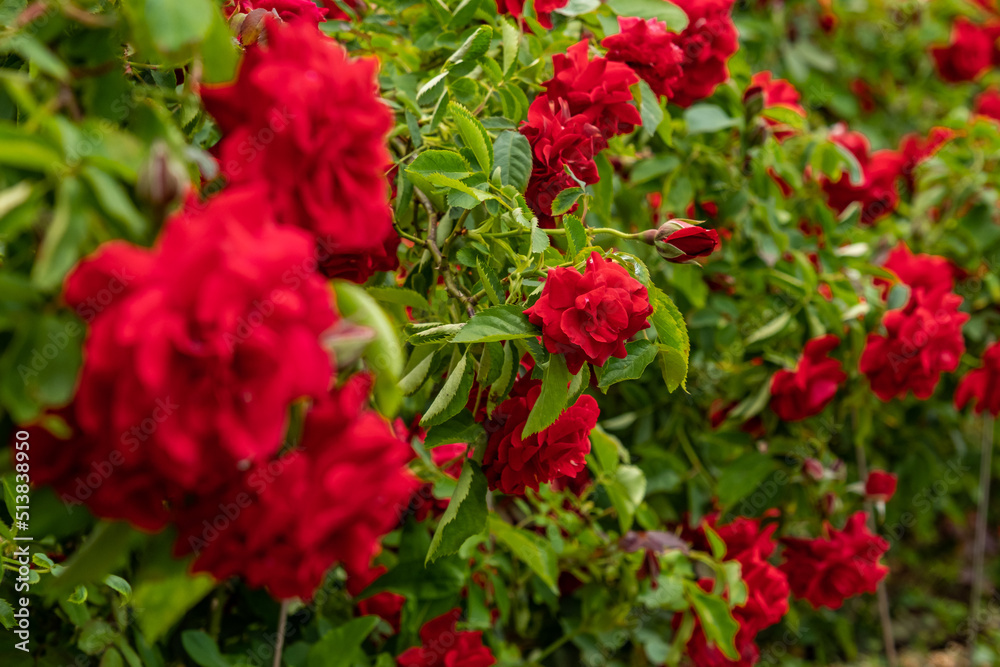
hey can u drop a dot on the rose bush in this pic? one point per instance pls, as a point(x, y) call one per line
point(477, 333)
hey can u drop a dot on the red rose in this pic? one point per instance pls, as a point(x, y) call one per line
point(512, 463)
point(777, 93)
point(879, 170)
point(444, 646)
point(917, 150)
point(650, 49)
point(337, 13)
point(988, 104)
point(387, 606)
point(196, 349)
point(971, 52)
point(982, 384)
point(923, 274)
point(921, 341)
point(349, 471)
point(680, 242)
point(287, 10)
point(804, 392)
point(543, 9)
point(306, 122)
point(880, 485)
point(828, 570)
point(707, 43)
point(589, 317)
point(597, 89)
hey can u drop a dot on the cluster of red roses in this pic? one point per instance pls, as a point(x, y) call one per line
point(588, 101)
point(823, 571)
point(972, 49)
point(213, 335)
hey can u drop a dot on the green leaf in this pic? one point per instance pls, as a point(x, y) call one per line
point(61, 247)
point(6, 614)
point(398, 295)
point(111, 658)
point(491, 283)
point(341, 647)
point(625, 491)
point(649, 109)
point(118, 584)
point(36, 53)
point(566, 199)
point(775, 326)
point(458, 186)
point(79, 596)
point(739, 481)
point(219, 52)
point(640, 353)
point(446, 163)
point(473, 134)
point(552, 397)
point(511, 44)
point(579, 384)
point(512, 153)
point(605, 449)
point(716, 620)
point(785, 116)
point(473, 48)
point(529, 548)
point(576, 235)
point(673, 367)
point(164, 591)
point(115, 202)
point(432, 90)
point(753, 404)
point(465, 516)
point(715, 543)
point(508, 373)
point(496, 324)
point(539, 239)
point(106, 547)
point(460, 428)
point(416, 369)
point(26, 151)
point(671, 14)
point(202, 649)
point(453, 395)
point(436, 333)
point(171, 27)
point(675, 345)
point(702, 118)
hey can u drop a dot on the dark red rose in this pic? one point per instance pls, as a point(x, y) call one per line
point(707, 43)
point(679, 241)
point(349, 471)
point(387, 606)
point(650, 49)
point(988, 104)
point(804, 392)
point(287, 10)
point(922, 340)
point(971, 52)
point(880, 485)
point(513, 463)
point(597, 89)
point(443, 645)
point(828, 570)
point(304, 123)
point(879, 171)
point(917, 150)
point(589, 317)
point(982, 384)
point(337, 12)
point(923, 274)
point(543, 9)
point(777, 93)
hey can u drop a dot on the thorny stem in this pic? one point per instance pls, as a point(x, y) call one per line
point(979, 549)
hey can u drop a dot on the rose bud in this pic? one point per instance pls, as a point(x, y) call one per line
point(880, 485)
point(161, 179)
point(680, 241)
point(813, 468)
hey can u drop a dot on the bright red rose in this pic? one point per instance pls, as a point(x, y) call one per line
point(444, 646)
point(988, 104)
point(387, 606)
point(828, 570)
point(543, 9)
point(589, 317)
point(917, 150)
point(708, 41)
point(880, 485)
point(923, 274)
point(650, 49)
point(777, 93)
point(513, 463)
point(681, 242)
point(804, 392)
point(349, 470)
point(597, 89)
point(337, 13)
point(982, 384)
point(879, 170)
point(288, 10)
point(305, 121)
point(922, 340)
point(971, 52)
point(196, 349)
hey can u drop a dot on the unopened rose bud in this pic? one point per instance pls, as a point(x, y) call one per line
point(161, 179)
point(681, 241)
point(880, 485)
point(753, 101)
point(813, 468)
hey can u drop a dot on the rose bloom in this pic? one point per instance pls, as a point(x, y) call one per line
point(922, 340)
point(982, 384)
point(444, 646)
point(512, 463)
point(650, 49)
point(917, 150)
point(880, 485)
point(305, 121)
point(971, 52)
point(828, 570)
point(681, 242)
point(707, 43)
point(804, 392)
point(349, 470)
point(988, 104)
point(923, 274)
point(589, 317)
point(287, 10)
point(598, 89)
point(387, 606)
point(777, 93)
point(543, 9)
point(337, 13)
point(190, 368)
point(879, 170)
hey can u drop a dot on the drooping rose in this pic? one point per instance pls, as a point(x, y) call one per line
point(843, 563)
point(589, 317)
point(304, 123)
point(804, 392)
point(982, 384)
point(707, 42)
point(650, 49)
point(513, 463)
point(877, 190)
point(443, 645)
point(880, 485)
point(971, 51)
